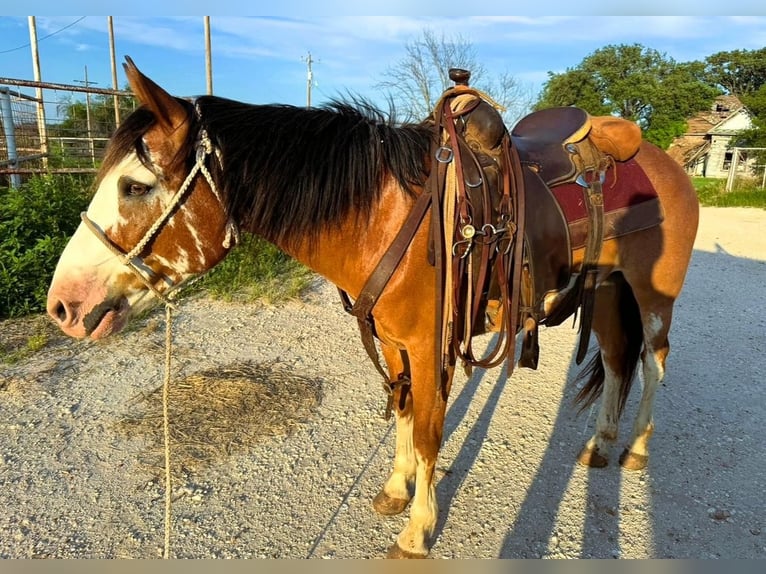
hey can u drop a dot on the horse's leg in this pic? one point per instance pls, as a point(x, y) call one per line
point(616, 326)
point(655, 263)
point(428, 408)
point(656, 321)
point(397, 490)
point(655, 294)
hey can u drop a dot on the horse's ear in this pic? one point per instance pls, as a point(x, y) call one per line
point(170, 114)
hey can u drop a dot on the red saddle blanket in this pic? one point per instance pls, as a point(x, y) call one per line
point(630, 204)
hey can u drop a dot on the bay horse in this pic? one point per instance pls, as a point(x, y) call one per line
point(332, 187)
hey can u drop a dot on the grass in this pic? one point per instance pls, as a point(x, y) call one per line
point(712, 193)
point(24, 336)
point(255, 270)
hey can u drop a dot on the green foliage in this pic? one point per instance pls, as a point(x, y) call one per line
point(575, 87)
point(637, 83)
point(79, 140)
point(102, 120)
point(663, 130)
point(712, 192)
point(20, 338)
point(755, 102)
point(255, 270)
point(738, 72)
point(36, 221)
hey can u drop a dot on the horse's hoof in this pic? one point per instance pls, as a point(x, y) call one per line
point(590, 457)
point(387, 506)
point(396, 552)
point(633, 461)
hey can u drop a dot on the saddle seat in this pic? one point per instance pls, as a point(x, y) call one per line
point(550, 141)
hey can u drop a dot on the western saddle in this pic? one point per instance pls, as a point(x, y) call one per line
point(499, 239)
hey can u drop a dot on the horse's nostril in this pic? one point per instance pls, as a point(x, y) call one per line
point(60, 312)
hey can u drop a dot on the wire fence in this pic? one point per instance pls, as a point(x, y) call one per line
point(64, 131)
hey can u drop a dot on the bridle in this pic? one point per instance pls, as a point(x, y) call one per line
point(132, 259)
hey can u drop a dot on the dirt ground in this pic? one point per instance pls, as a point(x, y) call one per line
point(75, 484)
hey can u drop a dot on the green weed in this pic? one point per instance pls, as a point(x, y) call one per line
point(255, 270)
point(712, 192)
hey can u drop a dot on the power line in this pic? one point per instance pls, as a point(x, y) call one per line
point(44, 37)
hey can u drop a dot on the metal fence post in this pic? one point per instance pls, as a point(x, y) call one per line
point(10, 134)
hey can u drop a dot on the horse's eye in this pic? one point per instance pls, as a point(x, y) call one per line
point(134, 188)
point(138, 189)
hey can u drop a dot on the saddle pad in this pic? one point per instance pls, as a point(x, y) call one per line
point(630, 204)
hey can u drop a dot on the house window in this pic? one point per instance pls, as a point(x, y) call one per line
point(727, 161)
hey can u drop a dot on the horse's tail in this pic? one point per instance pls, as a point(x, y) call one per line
point(633, 339)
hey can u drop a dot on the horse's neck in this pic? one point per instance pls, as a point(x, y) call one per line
point(347, 254)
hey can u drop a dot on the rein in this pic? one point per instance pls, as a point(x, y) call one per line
point(483, 234)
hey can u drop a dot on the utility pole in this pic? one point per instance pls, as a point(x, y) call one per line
point(309, 79)
point(116, 99)
point(86, 83)
point(208, 57)
point(41, 126)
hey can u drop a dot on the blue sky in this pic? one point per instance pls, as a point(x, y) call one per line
point(262, 59)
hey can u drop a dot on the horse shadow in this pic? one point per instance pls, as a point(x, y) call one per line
point(699, 495)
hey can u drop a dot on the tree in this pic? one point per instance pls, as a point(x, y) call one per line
point(102, 120)
point(634, 82)
point(738, 72)
point(755, 102)
point(415, 83)
point(80, 137)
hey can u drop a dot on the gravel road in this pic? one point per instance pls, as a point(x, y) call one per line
point(73, 486)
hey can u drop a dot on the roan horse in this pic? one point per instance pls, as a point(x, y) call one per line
point(333, 187)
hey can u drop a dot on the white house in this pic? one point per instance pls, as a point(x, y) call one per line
point(704, 149)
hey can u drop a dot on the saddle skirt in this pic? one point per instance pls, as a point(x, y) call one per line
point(630, 204)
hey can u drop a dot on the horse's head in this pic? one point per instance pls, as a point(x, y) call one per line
point(155, 220)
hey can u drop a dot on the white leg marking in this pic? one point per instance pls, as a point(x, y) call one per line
point(608, 413)
point(402, 477)
point(423, 512)
point(653, 371)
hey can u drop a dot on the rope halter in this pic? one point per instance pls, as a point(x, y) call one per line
point(132, 259)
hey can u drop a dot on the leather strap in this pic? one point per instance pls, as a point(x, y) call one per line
point(594, 201)
point(365, 302)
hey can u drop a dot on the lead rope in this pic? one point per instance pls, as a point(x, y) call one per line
point(166, 425)
point(232, 237)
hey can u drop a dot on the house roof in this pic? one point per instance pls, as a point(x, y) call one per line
point(687, 148)
point(722, 109)
point(728, 125)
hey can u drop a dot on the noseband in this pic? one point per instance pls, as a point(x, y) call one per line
point(132, 259)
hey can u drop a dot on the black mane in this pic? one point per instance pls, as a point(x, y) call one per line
point(289, 172)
